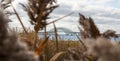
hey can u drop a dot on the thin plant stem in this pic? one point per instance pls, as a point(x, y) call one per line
point(19, 19)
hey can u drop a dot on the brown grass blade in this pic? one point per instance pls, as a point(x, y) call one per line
point(56, 37)
point(19, 19)
point(93, 28)
point(41, 47)
point(56, 56)
point(60, 18)
point(46, 51)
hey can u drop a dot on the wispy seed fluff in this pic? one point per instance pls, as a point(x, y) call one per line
point(103, 49)
point(10, 48)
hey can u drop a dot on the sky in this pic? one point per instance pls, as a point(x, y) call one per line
point(105, 14)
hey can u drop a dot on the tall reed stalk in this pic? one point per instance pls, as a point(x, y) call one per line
point(19, 19)
point(56, 37)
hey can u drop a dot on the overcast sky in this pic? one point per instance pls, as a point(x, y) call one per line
point(104, 12)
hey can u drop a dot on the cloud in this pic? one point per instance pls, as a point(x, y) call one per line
point(104, 27)
point(104, 12)
point(100, 10)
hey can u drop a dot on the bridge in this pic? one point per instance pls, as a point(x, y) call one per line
point(63, 34)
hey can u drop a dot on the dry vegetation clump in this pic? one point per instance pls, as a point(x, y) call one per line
point(90, 30)
point(51, 47)
point(97, 46)
point(11, 49)
point(102, 49)
point(38, 12)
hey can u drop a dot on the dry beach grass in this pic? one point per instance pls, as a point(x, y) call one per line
point(26, 46)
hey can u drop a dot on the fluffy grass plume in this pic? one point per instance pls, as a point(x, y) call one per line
point(102, 49)
point(11, 49)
